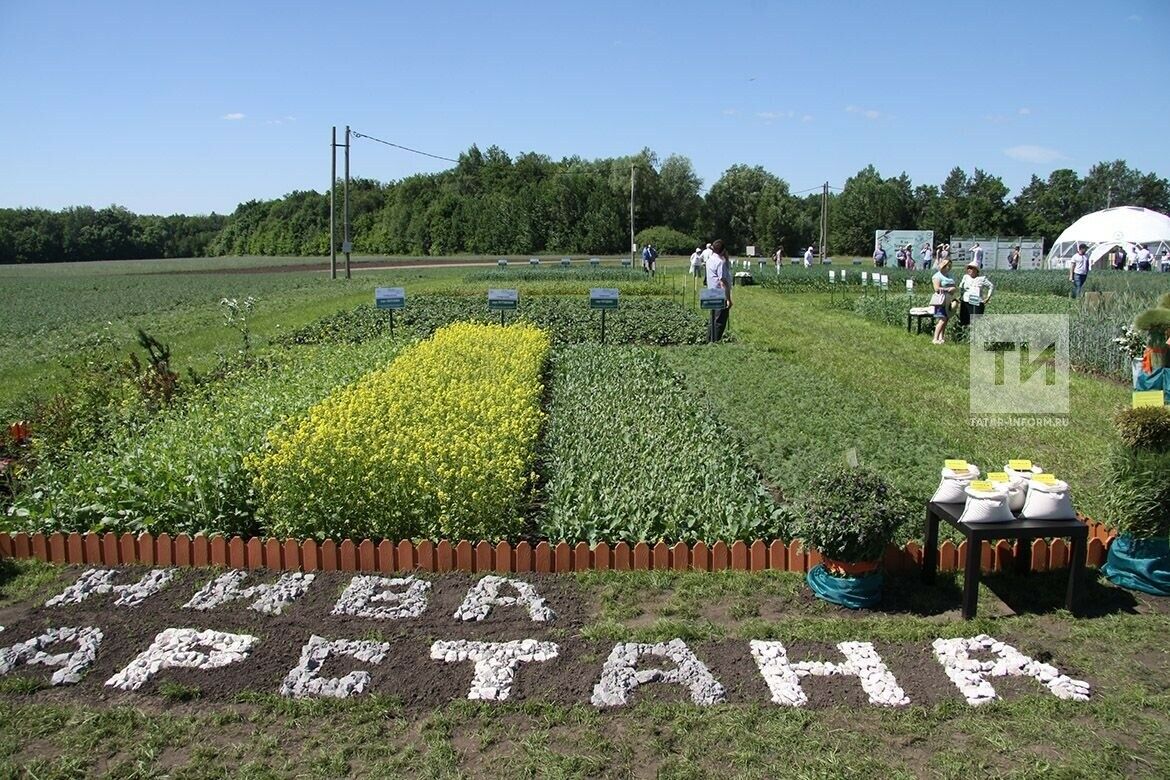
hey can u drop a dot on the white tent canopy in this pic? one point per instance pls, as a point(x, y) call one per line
point(1124, 226)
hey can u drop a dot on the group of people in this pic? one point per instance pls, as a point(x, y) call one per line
point(649, 258)
point(714, 265)
point(1142, 260)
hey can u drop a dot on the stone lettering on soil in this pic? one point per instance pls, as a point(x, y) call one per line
point(305, 679)
point(383, 598)
point(271, 598)
point(620, 676)
point(73, 665)
point(861, 661)
point(495, 662)
point(970, 675)
point(183, 648)
point(485, 594)
point(101, 582)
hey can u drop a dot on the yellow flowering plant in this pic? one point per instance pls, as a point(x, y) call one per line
point(441, 443)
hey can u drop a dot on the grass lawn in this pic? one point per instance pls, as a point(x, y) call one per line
point(807, 382)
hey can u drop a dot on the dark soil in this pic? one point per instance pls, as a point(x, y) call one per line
point(408, 672)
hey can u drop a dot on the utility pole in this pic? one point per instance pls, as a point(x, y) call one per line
point(345, 246)
point(332, 205)
point(631, 215)
point(824, 219)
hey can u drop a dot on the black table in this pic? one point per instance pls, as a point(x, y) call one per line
point(1023, 530)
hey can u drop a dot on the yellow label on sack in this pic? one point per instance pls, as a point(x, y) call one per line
point(982, 484)
point(1148, 398)
point(1047, 479)
point(998, 476)
point(1020, 465)
point(956, 465)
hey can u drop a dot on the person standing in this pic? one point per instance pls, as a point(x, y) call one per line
point(879, 257)
point(927, 257)
point(944, 287)
point(1078, 269)
point(977, 256)
point(1145, 260)
point(1014, 258)
point(908, 251)
point(779, 258)
point(719, 278)
point(900, 257)
point(808, 257)
point(696, 261)
point(975, 291)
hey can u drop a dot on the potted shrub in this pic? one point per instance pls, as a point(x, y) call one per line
point(849, 514)
point(1137, 502)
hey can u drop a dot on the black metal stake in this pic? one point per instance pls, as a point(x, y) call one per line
point(603, 326)
point(391, 323)
point(711, 329)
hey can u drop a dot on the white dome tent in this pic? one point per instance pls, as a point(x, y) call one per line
point(1123, 226)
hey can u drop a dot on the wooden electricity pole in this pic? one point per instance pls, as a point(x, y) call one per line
point(824, 220)
point(332, 206)
point(632, 215)
point(345, 246)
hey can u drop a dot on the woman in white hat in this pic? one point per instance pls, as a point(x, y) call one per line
point(975, 291)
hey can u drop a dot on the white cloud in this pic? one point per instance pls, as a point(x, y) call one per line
point(806, 118)
point(767, 114)
point(1024, 111)
point(233, 116)
point(1133, 18)
point(868, 113)
point(730, 112)
point(1033, 154)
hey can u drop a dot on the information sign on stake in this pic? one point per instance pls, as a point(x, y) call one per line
point(864, 278)
point(1148, 398)
point(389, 298)
point(503, 261)
point(909, 286)
point(566, 261)
point(832, 277)
point(534, 261)
point(594, 261)
point(885, 282)
point(712, 299)
point(603, 298)
point(502, 301)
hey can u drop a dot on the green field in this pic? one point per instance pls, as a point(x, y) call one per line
point(658, 438)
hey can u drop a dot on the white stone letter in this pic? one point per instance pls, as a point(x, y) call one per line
point(495, 662)
point(304, 680)
point(486, 593)
point(619, 677)
point(73, 666)
point(861, 661)
point(183, 648)
point(101, 582)
point(970, 675)
point(376, 597)
point(270, 599)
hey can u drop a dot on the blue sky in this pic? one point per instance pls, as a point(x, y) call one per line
point(168, 107)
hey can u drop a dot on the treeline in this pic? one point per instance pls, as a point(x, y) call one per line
point(114, 233)
point(489, 203)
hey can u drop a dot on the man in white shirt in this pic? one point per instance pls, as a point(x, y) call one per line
point(1078, 269)
point(719, 278)
point(977, 256)
point(808, 256)
point(779, 258)
point(927, 256)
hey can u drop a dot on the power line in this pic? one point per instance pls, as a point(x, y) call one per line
point(356, 134)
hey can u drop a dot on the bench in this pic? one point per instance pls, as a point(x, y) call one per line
point(919, 313)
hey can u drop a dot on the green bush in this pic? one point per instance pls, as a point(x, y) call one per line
point(1147, 428)
point(1136, 498)
point(667, 241)
point(849, 514)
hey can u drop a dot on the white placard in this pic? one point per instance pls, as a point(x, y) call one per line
point(832, 277)
point(864, 278)
point(909, 285)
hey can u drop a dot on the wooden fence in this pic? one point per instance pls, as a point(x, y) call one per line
point(464, 556)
